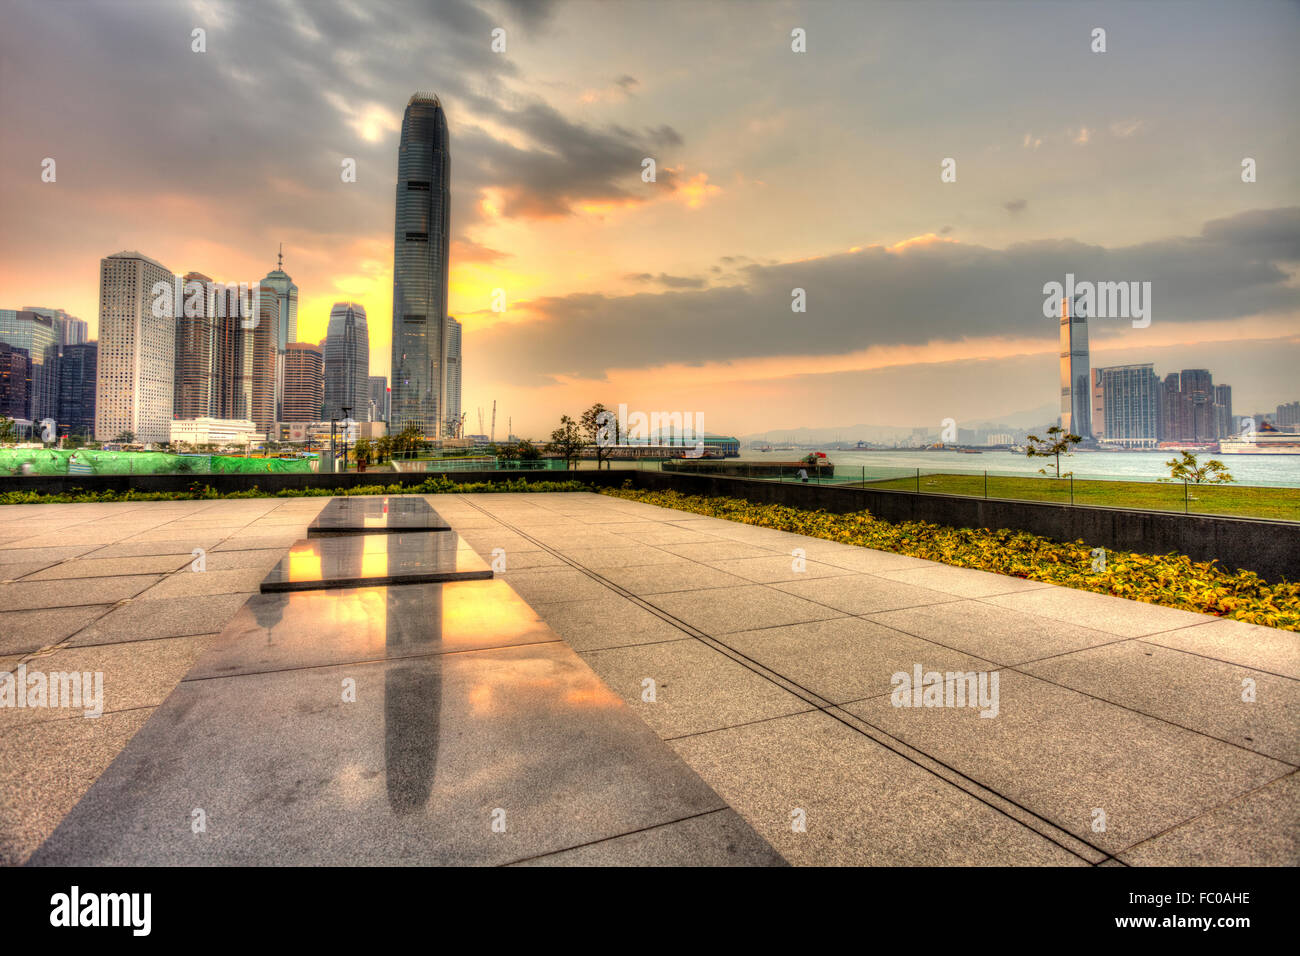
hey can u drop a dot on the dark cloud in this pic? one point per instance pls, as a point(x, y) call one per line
point(667, 281)
point(627, 82)
point(1014, 206)
point(941, 291)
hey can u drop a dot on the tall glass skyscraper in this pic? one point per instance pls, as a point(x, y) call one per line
point(453, 378)
point(347, 363)
point(420, 247)
point(1076, 380)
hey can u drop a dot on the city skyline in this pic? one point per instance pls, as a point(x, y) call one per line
point(676, 293)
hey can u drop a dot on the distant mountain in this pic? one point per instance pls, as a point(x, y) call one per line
point(1025, 418)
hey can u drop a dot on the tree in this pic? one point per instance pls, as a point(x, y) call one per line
point(125, 438)
point(1187, 468)
point(567, 441)
point(596, 422)
point(527, 451)
point(1057, 443)
point(8, 430)
point(363, 450)
point(383, 448)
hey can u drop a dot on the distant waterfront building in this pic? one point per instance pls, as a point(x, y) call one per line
point(379, 398)
point(137, 351)
point(15, 382)
point(70, 330)
point(453, 375)
point(1193, 409)
point(1288, 416)
point(38, 335)
point(347, 363)
point(1076, 382)
point(1223, 410)
point(195, 331)
point(215, 431)
point(1130, 402)
point(267, 387)
point(421, 236)
point(304, 382)
point(77, 377)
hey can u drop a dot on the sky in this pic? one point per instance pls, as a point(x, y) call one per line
point(775, 170)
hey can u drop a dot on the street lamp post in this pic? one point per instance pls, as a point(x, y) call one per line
point(346, 422)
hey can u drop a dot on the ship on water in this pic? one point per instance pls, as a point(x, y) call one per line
point(1267, 440)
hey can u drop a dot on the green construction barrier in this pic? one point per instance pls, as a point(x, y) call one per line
point(81, 461)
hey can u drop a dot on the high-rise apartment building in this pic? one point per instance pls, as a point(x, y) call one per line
point(1076, 382)
point(15, 382)
point(1287, 417)
point(347, 363)
point(421, 238)
point(1130, 404)
point(378, 398)
point(1223, 410)
point(267, 385)
point(77, 376)
point(137, 350)
point(232, 363)
point(304, 382)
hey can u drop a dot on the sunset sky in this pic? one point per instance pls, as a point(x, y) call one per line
point(776, 170)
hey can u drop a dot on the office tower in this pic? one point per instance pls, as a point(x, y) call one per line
point(15, 382)
point(1098, 406)
point(267, 385)
point(1171, 406)
point(1076, 382)
point(1199, 421)
point(137, 349)
point(278, 283)
point(347, 363)
point(1130, 403)
point(70, 330)
point(232, 362)
point(77, 376)
point(453, 376)
point(304, 382)
point(195, 336)
point(1223, 410)
point(420, 249)
point(1287, 417)
point(38, 335)
point(378, 398)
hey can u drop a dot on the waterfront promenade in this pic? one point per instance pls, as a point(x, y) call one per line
point(750, 690)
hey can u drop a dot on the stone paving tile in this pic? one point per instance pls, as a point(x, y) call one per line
point(554, 586)
point(1063, 756)
point(139, 674)
point(27, 555)
point(149, 620)
point(47, 769)
point(27, 595)
point(594, 624)
point(1261, 828)
point(963, 582)
point(190, 583)
point(662, 578)
point(723, 610)
point(14, 572)
point(111, 567)
point(993, 633)
point(1263, 648)
point(845, 659)
point(862, 805)
point(1191, 691)
point(716, 551)
point(864, 593)
point(695, 688)
point(599, 559)
point(170, 546)
point(24, 631)
point(1101, 611)
point(777, 567)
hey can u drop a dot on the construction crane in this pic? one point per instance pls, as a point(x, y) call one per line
point(494, 420)
point(480, 421)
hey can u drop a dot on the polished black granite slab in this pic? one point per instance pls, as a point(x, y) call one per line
point(366, 560)
point(386, 515)
point(493, 756)
point(314, 628)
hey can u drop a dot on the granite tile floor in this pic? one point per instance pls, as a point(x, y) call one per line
point(1123, 734)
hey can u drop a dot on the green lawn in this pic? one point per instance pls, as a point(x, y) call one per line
point(1243, 500)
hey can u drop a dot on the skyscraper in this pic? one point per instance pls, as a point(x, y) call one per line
point(347, 363)
point(453, 376)
point(77, 375)
point(268, 361)
point(137, 350)
point(278, 284)
point(1130, 404)
point(38, 335)
point(15, 382)
point(420, 249)
point(304, 382)
point(1076, 382)
point(378, 398)
point(71, 330)
point(195, 330)
point(232, 362)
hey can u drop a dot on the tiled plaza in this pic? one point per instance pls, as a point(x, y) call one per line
point(635, 685)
